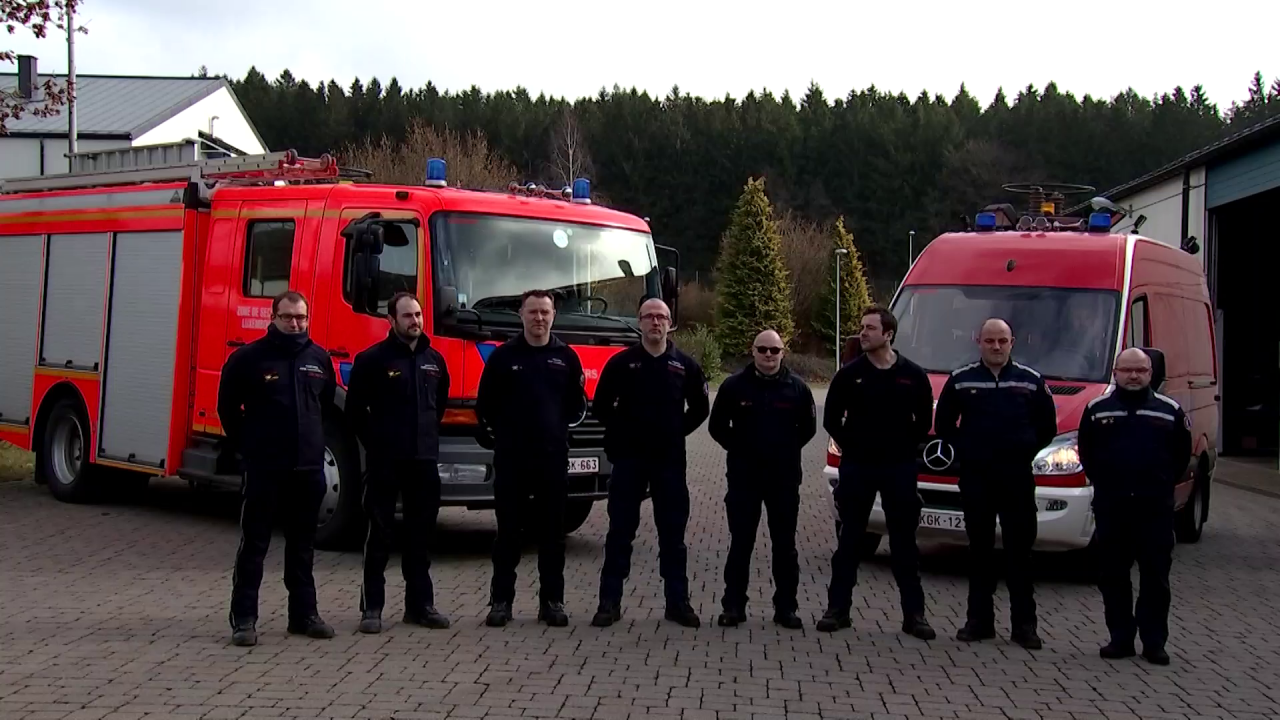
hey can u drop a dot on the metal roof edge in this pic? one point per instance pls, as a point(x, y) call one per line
point(1231, 143)
point(252, 128)
point(172, 111)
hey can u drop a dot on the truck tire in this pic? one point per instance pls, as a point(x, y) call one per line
point(62, 461)
point(576, 513)
point(1188, 524)
point(341, 519)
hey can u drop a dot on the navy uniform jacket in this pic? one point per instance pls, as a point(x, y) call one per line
point(396, 399)
point(528, 397)
point(764, 421)
point(996, 423)
point(648, 404)
point(1134, 444)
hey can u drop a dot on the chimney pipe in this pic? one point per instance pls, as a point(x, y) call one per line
point(27, 78)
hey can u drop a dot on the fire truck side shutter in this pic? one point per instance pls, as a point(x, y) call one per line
point(19, 312)
point(141, 341)
point(74, 294)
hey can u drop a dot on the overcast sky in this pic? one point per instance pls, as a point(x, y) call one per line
point(708, 48)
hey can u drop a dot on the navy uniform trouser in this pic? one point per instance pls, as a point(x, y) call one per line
point(778, 493)
point(1010, 496)
point(1130, 531)
point(665, 481)
point(517, 481)
point(418, 483)
point(295, 495)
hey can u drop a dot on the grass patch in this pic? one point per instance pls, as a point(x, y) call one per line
point(15, 464)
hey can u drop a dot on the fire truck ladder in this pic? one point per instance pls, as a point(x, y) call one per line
point(176, 162)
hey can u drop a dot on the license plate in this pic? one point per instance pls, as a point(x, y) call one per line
point(942, 521)
point(583, 465)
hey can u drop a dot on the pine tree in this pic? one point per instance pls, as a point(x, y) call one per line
point(754, 293)
point(855, 295)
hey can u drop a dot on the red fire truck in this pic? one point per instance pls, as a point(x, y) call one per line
point(126, 283)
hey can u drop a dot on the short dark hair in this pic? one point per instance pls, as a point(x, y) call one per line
point(292, 296)
point(524, 296)
point(888, 323)
point(395, 301)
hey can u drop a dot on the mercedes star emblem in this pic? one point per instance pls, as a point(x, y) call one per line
point(938, 455)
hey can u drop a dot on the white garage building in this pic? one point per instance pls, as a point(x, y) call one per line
point(1225, 196)
point(116, 111)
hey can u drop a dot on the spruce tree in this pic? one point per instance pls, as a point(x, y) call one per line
point(854, 293)
point(753, 288)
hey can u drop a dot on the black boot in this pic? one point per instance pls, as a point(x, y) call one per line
point(834, 619)
point(732, 617)
point(553, 614)
point(244, 634)
point(683, 614)
point(974, 632)
point(371, 622)
point(917, 626)
point(1117, 650)
point(312, 627)
point(608, 613)
point(788, 619)
point(499, 614)
point(1027, 638)
point(1155, 656)
point(427, 617)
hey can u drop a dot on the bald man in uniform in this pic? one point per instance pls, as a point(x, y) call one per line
point(1135, 446)
point(997, 414)
point(763, 416)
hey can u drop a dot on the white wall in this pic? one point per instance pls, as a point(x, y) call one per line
point(20, 157)
point(231, 125)
point(1162, 204)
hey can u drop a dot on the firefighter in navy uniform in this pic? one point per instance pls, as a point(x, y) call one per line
point(395, 401)
point(998, 414)
point(531, 391)
point(649, 398)
point(879, 408)
point(271, 401)
point(1135, 446)
point(763, 417)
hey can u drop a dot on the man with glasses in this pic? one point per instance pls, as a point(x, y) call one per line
point(878, 410)
point(649, 398)
point(1135, 446)
point(531, 390)
point(396, 400)
point(272, 399)
point(763, 417)
point(997, 414)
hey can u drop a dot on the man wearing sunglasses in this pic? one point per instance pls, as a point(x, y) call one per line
point(763, 417)
point(649, 398)
point(878, 409)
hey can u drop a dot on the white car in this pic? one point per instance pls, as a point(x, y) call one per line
point(1063, 498)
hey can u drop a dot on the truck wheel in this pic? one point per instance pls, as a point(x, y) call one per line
point(576, 513)
point(341, 518)
point(63, 459)
point(1189, 523)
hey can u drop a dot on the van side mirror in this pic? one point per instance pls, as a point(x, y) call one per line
point(1157, 367)
point(669, 281)
point(1191, 246)
point(368, 243)
point(447, 297)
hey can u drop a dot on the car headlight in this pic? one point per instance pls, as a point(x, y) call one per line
point(451, 473)
point(832, 447)
point(1061, 457)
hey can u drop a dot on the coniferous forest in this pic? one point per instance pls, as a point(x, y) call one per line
point(887, 163)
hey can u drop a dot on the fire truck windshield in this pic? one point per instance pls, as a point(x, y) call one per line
point(1063, 334)
point(490, 260)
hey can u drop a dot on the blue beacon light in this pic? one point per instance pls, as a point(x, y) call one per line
point(1099, 222)
point(436, 172)
point(582, 191)
point(985, 221)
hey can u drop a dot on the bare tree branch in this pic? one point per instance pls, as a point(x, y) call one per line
point(38, 16)
point(570, 158)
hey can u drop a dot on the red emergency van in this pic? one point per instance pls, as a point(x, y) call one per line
point(1075, 294)
point(125, 284)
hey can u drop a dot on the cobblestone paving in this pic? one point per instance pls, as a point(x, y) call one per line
point(119, 611)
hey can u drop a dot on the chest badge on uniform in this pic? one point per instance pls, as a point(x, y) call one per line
point(270, 377)
point(393, 373)
point(555, 361)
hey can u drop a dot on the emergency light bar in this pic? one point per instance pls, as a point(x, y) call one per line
point(436, 172)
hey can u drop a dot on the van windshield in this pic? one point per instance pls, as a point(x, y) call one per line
point(1063, 334)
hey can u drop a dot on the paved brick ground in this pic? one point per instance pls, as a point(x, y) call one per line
point(119, 611)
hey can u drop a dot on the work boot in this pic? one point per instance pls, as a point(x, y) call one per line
point(1156, 656)
point(1027, 638)
point(244, 634)
point(788, 619)
point(918, 627)
point(682, 613)
point(834, 619)
point(312, 627)
point(427, 617)
point(732, 617)
point(1117, 650)
point(553, 614)
point(371, 622)
point(974, 632)
point(499, 614)
point(608, 613)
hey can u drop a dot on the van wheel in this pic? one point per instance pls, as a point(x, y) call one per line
point(63, 459)
point(1189, 523)
point(576, 513)
point(341, 518)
